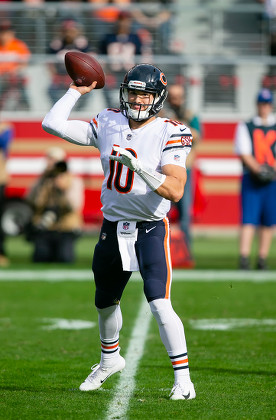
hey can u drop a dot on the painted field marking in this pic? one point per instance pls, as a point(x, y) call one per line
point(67, 324)
point(178, 275)
point(57, 324)
point(123, 392)
point(226, 324)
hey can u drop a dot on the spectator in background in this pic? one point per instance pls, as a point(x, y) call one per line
point(156, 18)
point(175, 109)
point(33, 2)
point(6, 136)
point(270, 18)
point(121, 47)
point(57, 200)
point(255, 143)
point(5, 13)
point(105, 15)
point(55, 1)
point(70, 37)
point(12, 78)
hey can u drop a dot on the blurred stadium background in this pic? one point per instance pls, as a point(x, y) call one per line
point(219, 50)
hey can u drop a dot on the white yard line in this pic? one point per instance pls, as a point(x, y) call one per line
point(124, 389)
point(46, 275)
point(178, 275)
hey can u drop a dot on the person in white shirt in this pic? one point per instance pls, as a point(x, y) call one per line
point(143, 159)
point(255, 144)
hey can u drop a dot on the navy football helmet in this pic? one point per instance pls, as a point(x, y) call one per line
point(146, 78)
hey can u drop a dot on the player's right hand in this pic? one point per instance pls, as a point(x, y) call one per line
point(83, 89)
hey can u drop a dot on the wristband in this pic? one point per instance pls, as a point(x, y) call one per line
point(152, 178)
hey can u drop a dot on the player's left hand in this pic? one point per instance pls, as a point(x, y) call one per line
point(126, 158)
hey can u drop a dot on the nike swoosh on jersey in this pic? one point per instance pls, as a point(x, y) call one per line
point(148, 230)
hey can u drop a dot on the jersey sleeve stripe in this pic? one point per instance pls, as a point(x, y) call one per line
point(179, 138)
point(173, 141)
point(180, 135)
point(93, 129)
point(176, 147)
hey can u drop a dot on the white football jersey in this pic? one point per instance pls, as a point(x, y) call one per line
point(160, 142)
point(125, 196)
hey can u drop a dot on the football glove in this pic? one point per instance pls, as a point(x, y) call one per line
point(126, 158)
point(151, 177)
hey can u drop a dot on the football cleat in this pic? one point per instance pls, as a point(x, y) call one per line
point(183, 391)
point(244, 263)
point(261, 264)
point(99, 375)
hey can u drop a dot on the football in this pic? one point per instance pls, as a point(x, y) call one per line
point(84, 69)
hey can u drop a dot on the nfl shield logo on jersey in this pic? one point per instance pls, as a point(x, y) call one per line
point(126, 225)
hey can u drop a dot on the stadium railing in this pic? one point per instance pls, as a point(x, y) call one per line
point(219, 51)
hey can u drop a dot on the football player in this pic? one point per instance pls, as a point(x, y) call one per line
point(143, 158)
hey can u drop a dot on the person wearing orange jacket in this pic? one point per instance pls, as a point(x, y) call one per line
point(14, 57)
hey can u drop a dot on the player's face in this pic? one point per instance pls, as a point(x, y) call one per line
point(139, 100)
point(264, 109)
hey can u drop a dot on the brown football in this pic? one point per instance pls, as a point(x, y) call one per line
point(84, 69)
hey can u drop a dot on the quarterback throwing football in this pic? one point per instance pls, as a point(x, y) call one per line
point(143, 159)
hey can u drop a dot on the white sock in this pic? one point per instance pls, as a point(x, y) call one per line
point(173, 337)
point(110, 324)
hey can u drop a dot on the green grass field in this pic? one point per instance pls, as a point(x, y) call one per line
point(210, 253)
point(230, 328)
